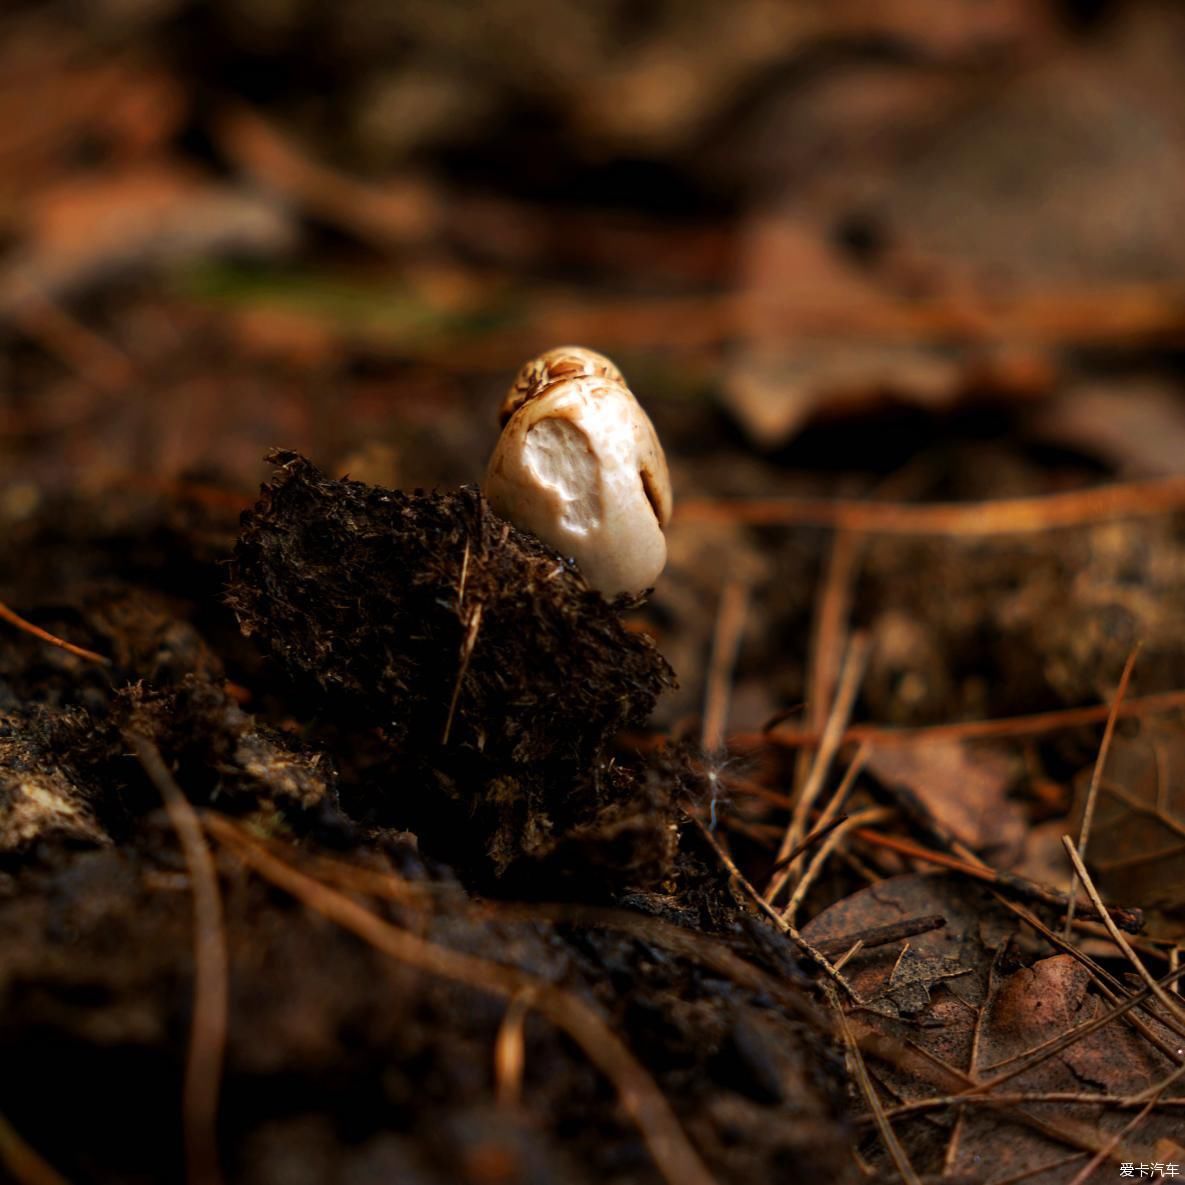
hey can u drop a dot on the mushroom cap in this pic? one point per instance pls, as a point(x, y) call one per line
point(563, 362)
point(579, 464)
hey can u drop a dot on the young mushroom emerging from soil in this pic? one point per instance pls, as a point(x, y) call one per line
point(579, 465)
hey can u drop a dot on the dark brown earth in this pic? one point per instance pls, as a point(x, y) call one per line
point(353, 839)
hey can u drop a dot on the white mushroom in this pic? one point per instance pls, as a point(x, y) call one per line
point(579, 464)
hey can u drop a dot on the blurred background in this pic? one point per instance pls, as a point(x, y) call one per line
point(876, 248)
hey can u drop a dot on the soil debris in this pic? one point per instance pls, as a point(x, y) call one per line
point(493, 678)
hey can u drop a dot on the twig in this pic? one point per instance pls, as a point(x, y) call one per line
point(92, 357)
point(1037, 1170)
point(640, 1097)
point(884, 736)
point(920, 1063)
point(16, 619)
point(1105, 1152)
point(813, 953)
point(510, 1051)
point(828, 631)
point(860, 1073)
point(956, 1135)
point(472, 626)
point(1107, 984)
point(1015, 1098)
point(1026, 1061)
point(1174, 1007)
point(1006, 516)
point(24, 1163)
point(849, 954)
point(1092, 792)
point(851, 676)
point(870, 815)
point(818, 834)
point(687, 944)
point(1053, 1045)
point(726, 640)
point(830, 813)
point(207, 1034)
point(876, 936)
point(1004, 882)
point(1055, 315)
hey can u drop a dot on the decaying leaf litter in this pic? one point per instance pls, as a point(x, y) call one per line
point(333, 895)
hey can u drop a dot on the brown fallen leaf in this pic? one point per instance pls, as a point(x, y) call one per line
point(1138, 425)
point(397, 213)
point(86, 228)
point(911, 981)
point(964, 787)
point(986, 1018)
point(1067, 179)
point(1137, 840)
point(1034, 1005)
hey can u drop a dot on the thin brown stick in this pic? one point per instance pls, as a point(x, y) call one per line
point(1109, 987)
point(827, 640)
point(1048, 1167)
point(813, 953)
point(1174, 1007)
point(816, 836)
point(1007, 516)
point(1105, 1153)
point(207, 1034)
point(849, 954)
point(867, 817)
point(920, 1063)
point(510, 1051)
point(1055, 315)
point(1034, 724)
point(24, 1163)
point(640, 1097)
point(726, 641)
point(973, 1068)
point(1005, 882)
point(94, 358)
point(851, 676)
point(1092, 792)
point(1024, 1062)
point(6, 614)
point(1158, 1088)
point(830, 814)
point(875, 936)
point(688, 944)
point(472, 626)
point(1019, 1097)
point(860, 1073)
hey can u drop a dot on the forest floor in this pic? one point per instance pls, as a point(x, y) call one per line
point(347, 837)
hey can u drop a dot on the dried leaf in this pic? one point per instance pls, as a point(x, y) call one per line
point(953, 1002)
point(1138, 426)
point(964, 787)
point(911, 980)
point(1137, 839)
point(86, 228)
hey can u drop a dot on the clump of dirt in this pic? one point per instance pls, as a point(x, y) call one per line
point(390, 734)
point(490, 679)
